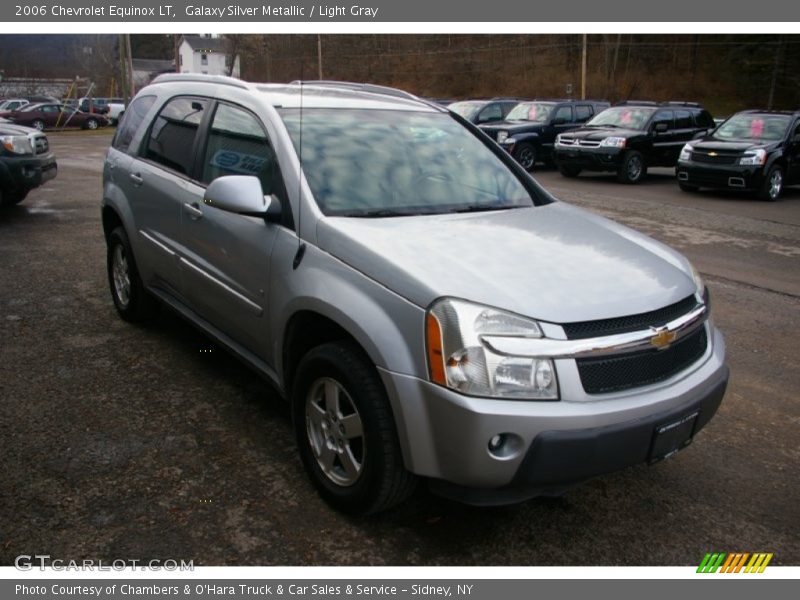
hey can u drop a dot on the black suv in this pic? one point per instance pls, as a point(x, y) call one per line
point(630, 137)
point(25, 162)
point(484, 111)
point(530, 129)
point(754, 150)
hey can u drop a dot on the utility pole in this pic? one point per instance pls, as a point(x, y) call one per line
point(775, 69)
point(130, 64)
point(319, 57)
point(583, 69)
point(123, 69)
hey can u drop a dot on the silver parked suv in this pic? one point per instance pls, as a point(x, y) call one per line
point(426, 307)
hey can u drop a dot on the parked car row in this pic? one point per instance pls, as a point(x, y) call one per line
point(43, 116)
point(755, 151)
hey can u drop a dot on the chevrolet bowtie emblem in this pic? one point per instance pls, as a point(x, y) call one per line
point(712, 154)
point(663, 338)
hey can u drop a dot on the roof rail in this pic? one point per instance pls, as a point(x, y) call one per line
point(200, 78)
point(362, 87)
point(682, 103)
point(636, 103)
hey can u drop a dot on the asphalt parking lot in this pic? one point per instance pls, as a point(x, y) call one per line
point(149, 442)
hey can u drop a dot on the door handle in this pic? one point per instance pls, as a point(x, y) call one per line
point(193, 210)
point(136, 179)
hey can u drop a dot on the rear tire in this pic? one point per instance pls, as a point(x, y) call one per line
point(92, 124)
point(345, 431)
point(772, 188)
point(132, 301)
point(38, 124)
point(633, 169)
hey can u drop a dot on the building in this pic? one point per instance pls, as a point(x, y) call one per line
point(205, 54)
point(147, 69)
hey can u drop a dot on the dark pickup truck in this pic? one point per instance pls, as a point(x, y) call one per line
point(25, 162)
point(530, 129)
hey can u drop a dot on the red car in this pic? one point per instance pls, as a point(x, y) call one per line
point(41, 116)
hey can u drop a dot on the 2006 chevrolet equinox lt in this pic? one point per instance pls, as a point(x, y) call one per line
point(425, 306)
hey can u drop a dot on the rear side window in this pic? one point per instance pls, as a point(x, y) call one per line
point(131, 121)
point(683, 119)
point(172, 136)
point(582, 112)
point(704, 119)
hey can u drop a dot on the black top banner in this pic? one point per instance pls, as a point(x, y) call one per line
point(440, 11)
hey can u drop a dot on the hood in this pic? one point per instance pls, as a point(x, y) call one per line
point(555, 263)
point(12, 129)
point(711, 143)
point(600, 133)
point(512, 126)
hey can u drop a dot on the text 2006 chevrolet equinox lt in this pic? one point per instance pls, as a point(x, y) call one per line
point(426, 307)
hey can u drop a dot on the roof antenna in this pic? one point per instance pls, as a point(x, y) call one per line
point(301, 247)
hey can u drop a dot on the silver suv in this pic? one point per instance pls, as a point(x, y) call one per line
point(426, 307)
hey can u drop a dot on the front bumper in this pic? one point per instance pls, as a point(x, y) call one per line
point(733, 177)
point(445, 435)
point(592, 159)
point(18, 174)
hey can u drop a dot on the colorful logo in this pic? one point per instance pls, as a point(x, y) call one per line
point(735, 562)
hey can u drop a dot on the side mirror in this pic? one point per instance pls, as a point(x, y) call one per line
point(242, 194)
point(662, 127)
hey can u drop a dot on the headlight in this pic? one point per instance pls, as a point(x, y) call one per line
point(754, 157)
point(686, 152)
point(558, 139)
point(613, 142)
point(459, 360)
point(501, 136)
point(17, 144)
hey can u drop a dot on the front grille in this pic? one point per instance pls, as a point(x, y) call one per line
point(716, 158)
point(655, 318)
point(604, 375)
point(589, 143)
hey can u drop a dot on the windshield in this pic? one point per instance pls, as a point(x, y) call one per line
point(531, 111)
point(466, 109)
point(626, 117)
point(377, 163)
point(753, 127)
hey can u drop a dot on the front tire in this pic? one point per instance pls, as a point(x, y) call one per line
point(91, 124)
point(569, 171)
point(345, 431)
point(12, 198)
point(38, 124)
point(131, 299)
point(525, 155)
point(633, 169)
point(772, 187)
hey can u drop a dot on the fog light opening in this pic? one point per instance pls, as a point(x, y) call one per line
point(504, 446)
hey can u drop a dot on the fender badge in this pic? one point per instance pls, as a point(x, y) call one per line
point(663, 338)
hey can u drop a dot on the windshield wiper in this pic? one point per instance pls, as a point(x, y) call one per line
point(479, 208)
point(375, 213)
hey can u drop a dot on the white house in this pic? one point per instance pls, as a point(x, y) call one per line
point(205, 54)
